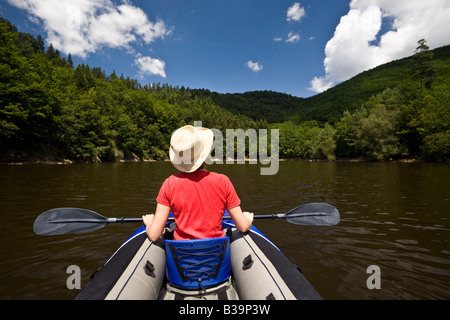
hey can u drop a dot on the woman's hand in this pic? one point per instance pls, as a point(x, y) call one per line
point(249, 216)
point(155, 223)
point(242, 219)
point(148, 219)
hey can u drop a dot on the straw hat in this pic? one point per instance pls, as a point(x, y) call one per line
point(190, 147)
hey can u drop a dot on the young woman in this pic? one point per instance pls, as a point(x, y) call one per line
point(197, 197)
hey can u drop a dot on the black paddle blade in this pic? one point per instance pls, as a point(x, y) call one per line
point(314, 214)
point(68, 220)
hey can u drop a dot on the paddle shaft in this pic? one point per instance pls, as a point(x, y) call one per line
point(259, 217)
point(134, 220)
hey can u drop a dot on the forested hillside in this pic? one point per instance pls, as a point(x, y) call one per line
point(330, 105)
point(51, 109)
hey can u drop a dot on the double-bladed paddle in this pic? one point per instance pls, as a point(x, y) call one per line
point(75, 220)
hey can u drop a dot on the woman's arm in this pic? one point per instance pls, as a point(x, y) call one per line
point(155, 223)
point(242, 219)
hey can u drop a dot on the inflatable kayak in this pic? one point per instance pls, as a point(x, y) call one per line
point(239, 266)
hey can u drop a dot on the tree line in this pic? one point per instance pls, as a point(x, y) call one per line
point(51, 109)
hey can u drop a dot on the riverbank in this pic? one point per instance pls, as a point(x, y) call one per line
point(63, 162)
point(46, 161)
point(25, 159)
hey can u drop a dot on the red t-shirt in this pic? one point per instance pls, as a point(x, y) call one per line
point(198, 201)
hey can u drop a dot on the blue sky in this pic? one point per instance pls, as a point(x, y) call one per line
point(296, 47)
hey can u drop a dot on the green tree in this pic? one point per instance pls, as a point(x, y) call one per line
point(346, 132)
point(83, 78)
point(39, 43)
point(70, 61)
point(430, 123)
point(376, 136)
point(424, 68)
point(27, 107)
point(323, 144)
point(436, 146)
point(371, 132)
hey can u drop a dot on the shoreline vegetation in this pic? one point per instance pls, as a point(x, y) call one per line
point(54, 112)
point(46, 161)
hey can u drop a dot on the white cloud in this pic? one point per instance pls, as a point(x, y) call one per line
point(321, 84)
point(254, 66)
point(150, 66)
point(277, 39)
point(81, 27)
point(293, 37)
point(295, 12)
point(357, 45)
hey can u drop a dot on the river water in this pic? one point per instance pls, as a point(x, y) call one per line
point(393, 215)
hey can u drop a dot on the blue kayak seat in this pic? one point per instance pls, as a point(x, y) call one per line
point(199, 263)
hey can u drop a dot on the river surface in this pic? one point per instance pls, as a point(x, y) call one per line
point(395, 216)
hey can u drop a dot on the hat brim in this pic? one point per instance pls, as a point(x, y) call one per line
point(207, 137)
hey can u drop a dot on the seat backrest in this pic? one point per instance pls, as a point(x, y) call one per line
point(199, 263)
